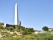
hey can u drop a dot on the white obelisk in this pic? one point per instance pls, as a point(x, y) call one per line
point(16, 14)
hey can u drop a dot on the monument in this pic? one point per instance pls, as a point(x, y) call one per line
point(17, 22)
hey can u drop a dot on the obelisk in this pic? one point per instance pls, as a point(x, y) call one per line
point(16, 14)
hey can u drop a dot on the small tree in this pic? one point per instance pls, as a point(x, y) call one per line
point(28, 31)
point(1, 25)
point(45, 28)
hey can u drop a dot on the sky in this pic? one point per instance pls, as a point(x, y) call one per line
point(32, 13)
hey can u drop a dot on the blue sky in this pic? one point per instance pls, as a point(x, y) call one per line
point(32, 13)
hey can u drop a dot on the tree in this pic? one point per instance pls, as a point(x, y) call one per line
point(1, 25)
point(22, 28)
point(45, 28)
point(28, 31)
point(10, 28)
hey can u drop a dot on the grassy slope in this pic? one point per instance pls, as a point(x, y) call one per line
point(30, 37)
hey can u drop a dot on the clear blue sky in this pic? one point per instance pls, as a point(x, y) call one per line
point(32, 13)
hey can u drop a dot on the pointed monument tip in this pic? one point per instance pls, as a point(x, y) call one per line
point(16, 3)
